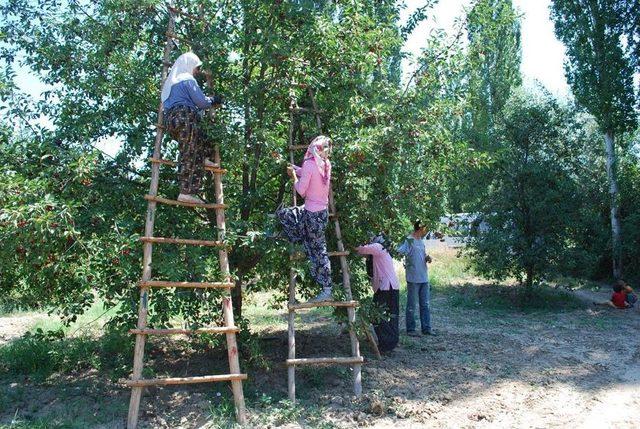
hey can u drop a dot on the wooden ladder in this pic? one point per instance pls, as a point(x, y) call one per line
point(355, 360)
point(137, 383)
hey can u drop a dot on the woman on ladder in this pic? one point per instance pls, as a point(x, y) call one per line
point(306, 224)
point(183, 103)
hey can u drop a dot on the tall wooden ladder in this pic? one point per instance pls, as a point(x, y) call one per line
point(137, 383)
point(355, 360)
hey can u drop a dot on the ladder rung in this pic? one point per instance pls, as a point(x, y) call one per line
point(180, 203)
point(305, 110)
point(216, 330)
point(165, 240)
point(183, 380)
point(326, 361)
point(173, 164)
point(178, 38)
point(303, 305)
point(300, 255)
point(187, 15)
point(195, 285)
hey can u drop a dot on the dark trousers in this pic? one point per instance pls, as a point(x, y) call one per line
point(183, 124)
point(388, 330)
point(307, 228)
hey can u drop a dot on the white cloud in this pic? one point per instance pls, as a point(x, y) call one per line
point(542, 52)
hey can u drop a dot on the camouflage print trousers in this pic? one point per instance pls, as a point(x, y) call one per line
point(183, 124)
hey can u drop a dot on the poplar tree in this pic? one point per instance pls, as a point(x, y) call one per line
point(600, 73)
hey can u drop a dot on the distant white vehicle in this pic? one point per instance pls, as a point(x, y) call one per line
point(464, 224)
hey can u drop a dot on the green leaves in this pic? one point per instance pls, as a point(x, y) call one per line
point(598, 65)
point(395, 148)
point(537, 222)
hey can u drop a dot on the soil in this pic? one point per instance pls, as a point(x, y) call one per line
point(485, 368)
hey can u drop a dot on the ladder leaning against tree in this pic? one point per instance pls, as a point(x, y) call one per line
point(137, 383)
point(355, 360)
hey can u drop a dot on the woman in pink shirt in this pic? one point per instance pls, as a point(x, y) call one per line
point(386, 290)
point(306, 224)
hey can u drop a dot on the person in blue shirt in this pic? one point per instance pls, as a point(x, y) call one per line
point(183, 102)
point(417, 274)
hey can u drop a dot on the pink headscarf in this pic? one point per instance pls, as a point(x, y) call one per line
point(313, 153)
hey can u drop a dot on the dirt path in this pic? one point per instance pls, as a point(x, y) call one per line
point(524, 371)
point(486, 368)
point(14, 326)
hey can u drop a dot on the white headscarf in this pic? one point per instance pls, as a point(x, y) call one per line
point(181, 70)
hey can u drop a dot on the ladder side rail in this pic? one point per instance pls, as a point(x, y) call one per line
point(315, 109)
point(223, 259)
point(136, 392)
point(351, 312)
point(291, 370)
point(234, 363)
point(227, 306)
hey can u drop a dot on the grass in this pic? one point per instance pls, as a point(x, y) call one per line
point(279, 412)
point(509, 298)
point(90, 321)
point(451, 275)
point(222, 414)
point(448, 268)
point(37, 424)
point(75, 415)
point(50, 347)
point(267, 412)
point(41, 354)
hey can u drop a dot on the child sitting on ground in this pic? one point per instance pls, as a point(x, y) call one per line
point(622, 296)
point(631, 297)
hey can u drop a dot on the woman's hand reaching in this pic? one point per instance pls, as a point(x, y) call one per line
point(292, 172)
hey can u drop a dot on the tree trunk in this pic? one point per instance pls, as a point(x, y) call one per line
point(236, 298)
point(529, 279)
point(616, 250)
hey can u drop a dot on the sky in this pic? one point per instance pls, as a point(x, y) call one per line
point(542, 53)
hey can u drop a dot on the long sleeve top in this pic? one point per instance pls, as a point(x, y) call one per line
point(187, 92)
point(384, 274)
point(311, 187)
point(415, 260)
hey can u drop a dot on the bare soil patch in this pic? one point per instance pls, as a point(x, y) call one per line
point(486, 368)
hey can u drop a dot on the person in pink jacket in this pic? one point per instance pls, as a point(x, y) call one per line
point(306, 224)
point(386, 288)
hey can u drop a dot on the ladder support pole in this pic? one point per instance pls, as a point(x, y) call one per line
point(291, 370)
point(220, 219)
point(351, 312)
point(346, 277)
point(138, 353)
point(227, 306)
point(315, 109)
point(234, 363)
point(291, 160)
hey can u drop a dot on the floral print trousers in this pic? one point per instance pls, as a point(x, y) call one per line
point(307, 228)
point(183, 124)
